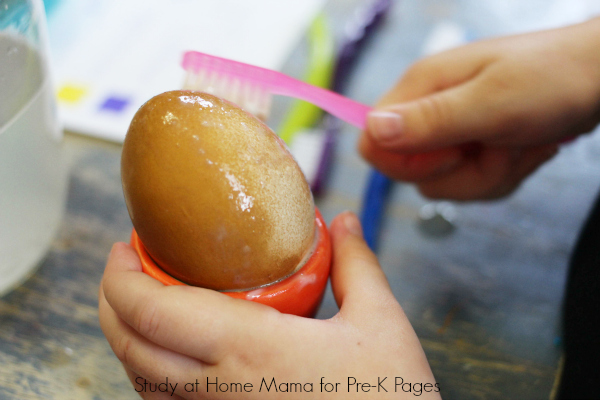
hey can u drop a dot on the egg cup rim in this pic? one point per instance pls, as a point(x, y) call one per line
point(304, 288)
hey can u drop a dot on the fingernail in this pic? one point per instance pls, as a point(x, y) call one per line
point(113, 249)
point(385, 126)
point(116, 247)
point(352, 223)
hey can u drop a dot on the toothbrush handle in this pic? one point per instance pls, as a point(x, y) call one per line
point(277, 83)
point(342, 107)
point(374, 202)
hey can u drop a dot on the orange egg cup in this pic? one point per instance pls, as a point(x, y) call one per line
point(299, 294)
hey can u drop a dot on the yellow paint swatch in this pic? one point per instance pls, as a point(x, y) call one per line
point(71, 93)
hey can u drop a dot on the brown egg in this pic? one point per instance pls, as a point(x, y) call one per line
point(214, 194)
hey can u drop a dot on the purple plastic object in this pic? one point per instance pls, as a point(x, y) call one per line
point(358, 35)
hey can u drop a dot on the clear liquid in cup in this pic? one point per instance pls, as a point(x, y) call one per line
point(32, 164)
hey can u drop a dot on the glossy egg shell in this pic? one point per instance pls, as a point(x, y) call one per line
point(214, 194)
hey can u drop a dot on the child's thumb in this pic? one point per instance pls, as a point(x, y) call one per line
point(450, 117)
point(357, 280)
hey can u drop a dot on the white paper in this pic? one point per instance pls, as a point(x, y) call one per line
point(110, 56)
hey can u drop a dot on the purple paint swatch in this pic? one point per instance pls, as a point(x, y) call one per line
point(114, 104)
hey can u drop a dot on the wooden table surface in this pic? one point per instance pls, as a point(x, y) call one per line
point(484, 299)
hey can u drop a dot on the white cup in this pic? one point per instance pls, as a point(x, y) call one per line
point(32, 164)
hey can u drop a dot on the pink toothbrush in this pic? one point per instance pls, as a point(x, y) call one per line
point(250, 87)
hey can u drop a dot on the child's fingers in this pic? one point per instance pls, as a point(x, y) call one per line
point(495, 173)
point(438, 72)
point(198, 322)
point(437, 102)
point(451, 117)
point(411, 167)
point(532, 158)
point(479, 177)
point(122, 258)
point(359, 285)
point(141, 356)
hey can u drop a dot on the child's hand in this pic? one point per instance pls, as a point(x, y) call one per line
point(473, 122)
point(188, 334)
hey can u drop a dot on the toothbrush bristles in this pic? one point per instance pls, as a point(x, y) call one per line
point(249, 96)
